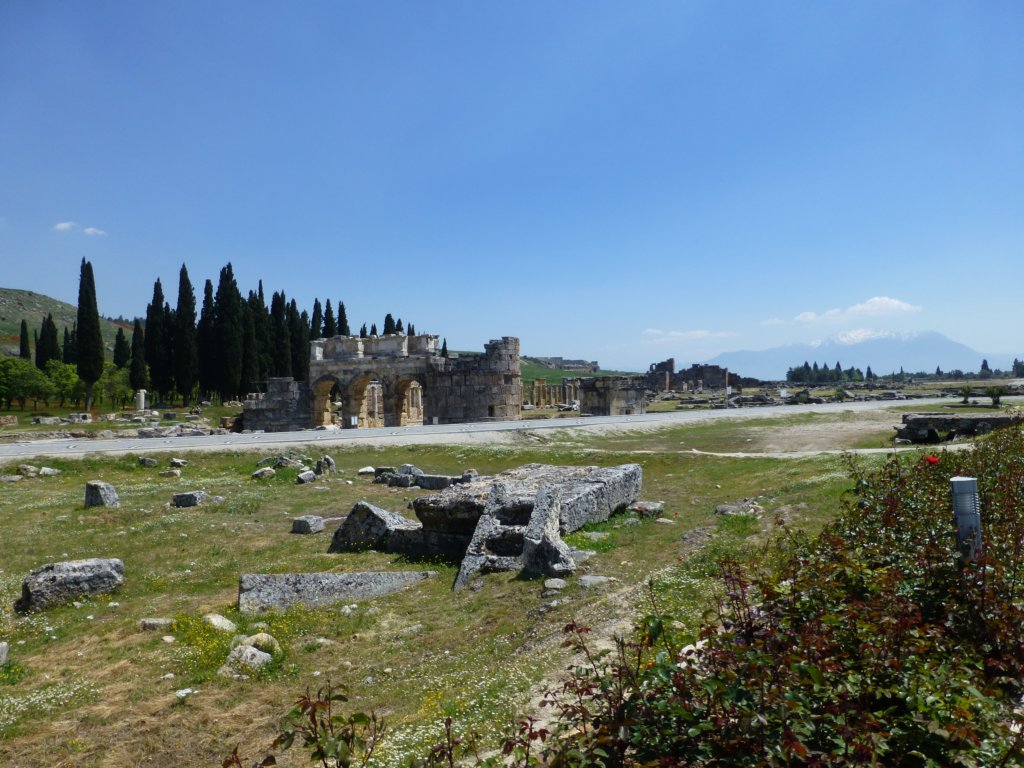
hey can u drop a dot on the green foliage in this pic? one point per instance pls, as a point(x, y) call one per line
point(90, 349)
point(227, 334)
point(868, 645)
point(122, 349)
point(158, 340)
point(185, 347)
point(334, 739)
point(23, 346)
point(330, 326)
point(137, 376)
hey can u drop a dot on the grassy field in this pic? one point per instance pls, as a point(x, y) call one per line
point(86, 687)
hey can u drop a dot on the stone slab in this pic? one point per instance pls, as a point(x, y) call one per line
point(258, 593)
point(62, 582)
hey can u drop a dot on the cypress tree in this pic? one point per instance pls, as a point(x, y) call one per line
point(316, 322)
point(343, 329)
point(227, 333)
point(71, 345)
point(330, 327)
point(398, 326)
point(444, 348)
point(261, 334)
point(362, 332)
point(280, 334)
point(250, 351)
point(298, 340)
point(156, 343)
point(90, 339)
point(412, 330)
point(389, 325)
point(137, 373)
point(47, 346)
point(373, 330)
point(206, 344)
point(122, 350)
point(24, 352)
point(186, 343)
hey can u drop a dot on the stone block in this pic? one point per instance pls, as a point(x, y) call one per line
point(434, 482)
point(263, 473)
point(189, 499)
point(275, 592)
point(306, 476)
point(57, 583)
point(100, 494)
point(370, 527)
point(307, 524)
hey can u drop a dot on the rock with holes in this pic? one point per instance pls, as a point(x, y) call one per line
point(243, 661)
point(58, 583)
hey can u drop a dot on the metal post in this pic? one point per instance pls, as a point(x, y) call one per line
point(967, 512)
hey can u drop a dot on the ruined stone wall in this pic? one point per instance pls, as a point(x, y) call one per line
point(284, 407)
point(485, 387)
point(613, 395)
point(392, 380)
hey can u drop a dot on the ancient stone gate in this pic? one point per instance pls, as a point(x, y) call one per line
point(392, 380)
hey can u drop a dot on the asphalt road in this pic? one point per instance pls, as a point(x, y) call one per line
point(405, 435)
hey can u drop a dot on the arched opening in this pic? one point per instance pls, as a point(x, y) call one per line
point(363, 403)
point(326, 401)
point(408, 402)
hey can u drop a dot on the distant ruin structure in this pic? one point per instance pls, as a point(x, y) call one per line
point(562, 364)
point(392, 380)
point(663, 377)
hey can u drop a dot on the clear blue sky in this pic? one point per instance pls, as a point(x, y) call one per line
point(606, 180)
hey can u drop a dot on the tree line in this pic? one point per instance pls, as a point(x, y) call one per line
point(224, 350)
point(824, 374)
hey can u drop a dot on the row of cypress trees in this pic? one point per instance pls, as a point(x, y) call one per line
point(234, 342)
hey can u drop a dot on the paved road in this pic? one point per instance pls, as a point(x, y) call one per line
point(406, 435)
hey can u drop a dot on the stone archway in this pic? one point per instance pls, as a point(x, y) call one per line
point(364, 401)
point(407, 402)
point(322, 393)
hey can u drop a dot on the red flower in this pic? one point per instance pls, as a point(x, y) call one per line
point(931, 459)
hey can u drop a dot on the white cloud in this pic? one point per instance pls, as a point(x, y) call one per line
point(659, 336)
point(882, 305)
point(71, 226)
point(877, 306)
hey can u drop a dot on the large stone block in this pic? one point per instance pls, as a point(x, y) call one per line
point(100, 494)
point(274, 592)
point(370, 527)
point(57, 583)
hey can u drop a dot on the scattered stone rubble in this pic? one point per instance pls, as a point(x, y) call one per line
point(512, 521)
point(742, 508)
point(57, 583)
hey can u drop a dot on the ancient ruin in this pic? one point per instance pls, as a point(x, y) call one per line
point(513, 521)
point(393, 380)
point(939, 427)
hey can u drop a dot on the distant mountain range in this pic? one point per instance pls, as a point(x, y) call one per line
point(885, 352)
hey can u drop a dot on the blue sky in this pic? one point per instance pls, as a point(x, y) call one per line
point(615, 181)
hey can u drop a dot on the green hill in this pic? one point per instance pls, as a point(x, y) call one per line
point(531, 369)
point(17, 305)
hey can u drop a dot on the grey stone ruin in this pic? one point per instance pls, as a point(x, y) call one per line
point(100, 494)
point(259, 592)
point(513, 521)
point(57, 583)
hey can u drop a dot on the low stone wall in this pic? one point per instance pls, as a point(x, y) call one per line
point(937, 427)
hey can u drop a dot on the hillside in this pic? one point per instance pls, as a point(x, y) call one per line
point(531, 370)
point(17, 305)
